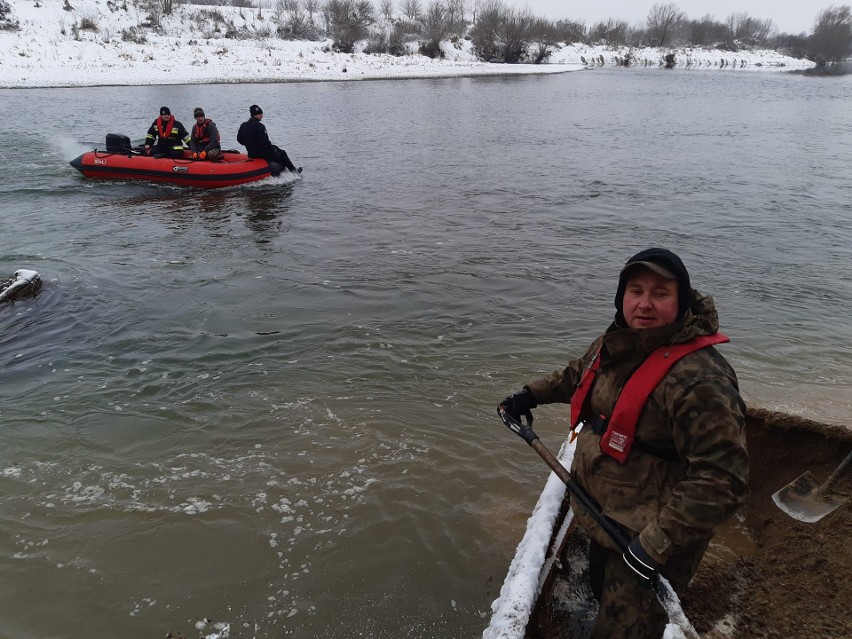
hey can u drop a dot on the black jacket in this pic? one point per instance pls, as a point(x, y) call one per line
point(253, 136)
point(177, 137)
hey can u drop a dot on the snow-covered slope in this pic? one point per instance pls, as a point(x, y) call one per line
point(103, 42)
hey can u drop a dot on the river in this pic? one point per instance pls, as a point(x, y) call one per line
point(272, 406)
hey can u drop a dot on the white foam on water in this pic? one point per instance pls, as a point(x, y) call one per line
point(217, 630)
point(69, 148)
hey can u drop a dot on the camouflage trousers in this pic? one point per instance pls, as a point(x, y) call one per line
point(627, 610)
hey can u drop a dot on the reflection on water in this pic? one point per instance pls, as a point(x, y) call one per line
point(264, 208)
point(836, 69)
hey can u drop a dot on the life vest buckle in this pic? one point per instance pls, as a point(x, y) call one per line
point(599, 423)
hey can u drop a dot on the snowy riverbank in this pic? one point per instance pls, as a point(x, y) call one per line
point(97, 43)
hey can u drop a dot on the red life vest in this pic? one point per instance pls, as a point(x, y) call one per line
point(200, 133)
point(165, 133)
point(620, 432)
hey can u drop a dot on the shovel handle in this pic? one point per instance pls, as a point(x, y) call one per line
point(837, 472)
point(662, 588)
point(526, 432)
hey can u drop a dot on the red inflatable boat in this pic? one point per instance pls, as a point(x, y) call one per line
point(121, 162)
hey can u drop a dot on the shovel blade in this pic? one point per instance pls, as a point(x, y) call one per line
point(804, 500)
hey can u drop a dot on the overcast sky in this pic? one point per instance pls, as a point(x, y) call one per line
point(790, 16)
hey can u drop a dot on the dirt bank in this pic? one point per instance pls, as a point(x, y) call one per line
point(766, 575)
point(794, 582)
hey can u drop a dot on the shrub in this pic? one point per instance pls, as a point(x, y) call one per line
point(434, 26)
point(298, 26)
point(347, 22)
point(544, 38)
point(502, 34)
point(570, 32)
point(831, 40)
point(393, 41)
point(88, 23)
point(484, 34)
point(135, 35)
point(7, 22)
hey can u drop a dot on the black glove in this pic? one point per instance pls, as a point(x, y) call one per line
point(519, 403)
point(641, 563)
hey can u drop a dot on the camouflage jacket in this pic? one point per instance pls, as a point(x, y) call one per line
point(695, 411)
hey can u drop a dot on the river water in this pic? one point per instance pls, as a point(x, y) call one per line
point(272, 406)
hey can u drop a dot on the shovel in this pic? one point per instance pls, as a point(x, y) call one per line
point(808, 501)
point(662, 588)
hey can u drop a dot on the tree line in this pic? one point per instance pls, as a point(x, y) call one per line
point(500, 32)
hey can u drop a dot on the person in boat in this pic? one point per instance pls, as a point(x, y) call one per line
point(204, 141)
point(166, 136)
point(677, 469)
point(252, 135)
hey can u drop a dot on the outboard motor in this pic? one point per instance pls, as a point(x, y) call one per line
point(117, 143)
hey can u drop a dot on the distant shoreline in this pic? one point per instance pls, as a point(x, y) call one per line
point(49, 49)
point(449, 73)
point(516, 70)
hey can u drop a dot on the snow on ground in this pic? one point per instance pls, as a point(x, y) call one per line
point(63, 43)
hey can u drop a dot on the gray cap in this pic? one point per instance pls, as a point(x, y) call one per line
point(659, 269)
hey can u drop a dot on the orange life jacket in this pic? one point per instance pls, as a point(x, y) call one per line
point(200, 132)
point(620, 432)
point(165, 133)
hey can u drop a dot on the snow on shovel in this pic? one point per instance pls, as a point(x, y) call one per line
point(806, 500)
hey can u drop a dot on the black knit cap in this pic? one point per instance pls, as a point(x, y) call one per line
point(671, 265)
point(165, 111)
point(198, 111)
point(255, 110)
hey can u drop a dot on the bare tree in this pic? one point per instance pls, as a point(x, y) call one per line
point(475, 7)
point(544, 38)
point(706, 31)
point(386, 9)
point(434, 28)
point(612, 32)
point(662, 21)
point(570, 31)
point(347, 22)
point(793, 45)
point(455, 15)
point(484, 34)
point(311, 6)
point(515, 35)
point(831, 40)
point(745, 30)
point(411, 9)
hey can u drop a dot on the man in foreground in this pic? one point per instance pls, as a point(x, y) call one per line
point(677, 469)
point(253, 136)
point(166, 136)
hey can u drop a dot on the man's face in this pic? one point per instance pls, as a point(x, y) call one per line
point(650, 300)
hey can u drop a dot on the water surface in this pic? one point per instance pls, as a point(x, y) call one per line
point(272, 406)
